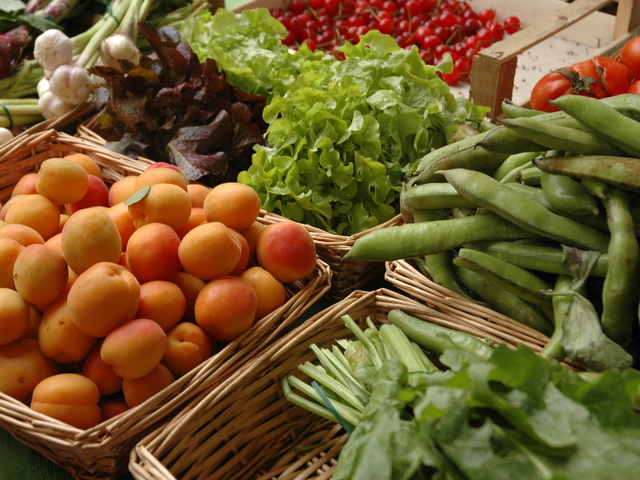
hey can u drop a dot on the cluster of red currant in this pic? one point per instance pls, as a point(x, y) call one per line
point(435, 26)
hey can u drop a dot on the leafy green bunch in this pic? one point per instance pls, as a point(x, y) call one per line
point(342, 135)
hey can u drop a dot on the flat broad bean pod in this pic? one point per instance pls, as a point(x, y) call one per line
point(505, 141)
point(504, 302)
point(419, 239)
point(621, 172)
point(558, 137)
point(512, 278)
point(524, 212)
point(568, 195)
point(434, 195)
point(603, 120)
point(535, 257)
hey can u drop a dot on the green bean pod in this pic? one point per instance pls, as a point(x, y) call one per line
point(513, 161)
point(522, 283)
point(504, 302)
point(558, 137)
point(419, 239)
point(561, 303)
point(603, 120)
point(507, 142)
point(622, 172)
point(435, 338)
point(472, 158)
point(620, 289)
point(427, 215)
point(440, 269)
point(448, 149)
point(535, 257)
point(512, 110)
point(524, 212)
point(435, 195)
point(568, 195)
point(530, 176)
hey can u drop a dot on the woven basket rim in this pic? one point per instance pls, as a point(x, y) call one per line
point(172, 442)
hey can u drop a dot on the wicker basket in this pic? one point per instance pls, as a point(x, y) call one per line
point(102, 452)
point(348, 275)
point(246, 429)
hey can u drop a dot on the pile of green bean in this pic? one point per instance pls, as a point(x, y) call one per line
point(538, 218)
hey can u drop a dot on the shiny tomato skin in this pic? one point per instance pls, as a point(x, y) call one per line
point(634, 87)
point(614, 74)
point(630, 57)
point(587, 69)
point(551, 86)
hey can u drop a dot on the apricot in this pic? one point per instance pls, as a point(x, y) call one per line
point(164, 203)
point(209, 250)
point(197, 192)
point(97, 195)
point(234, 204)
point(22, 234)
point(112, 408)
point(226, 307)
point(22, 367)
point(191, 287)
point(102, 298)
point(35, 316)
point(251, 235)
point(70, 398)
point(287, 251)
point(138, 390)
point(86, 162)
point(170, 166)
point(58, 336)
point(40, 274)
point(8, 203)
point(62, 181)
point(120, 215)
point(122, 189)
point(35, 211)
point(14, 316)
point(152, 176)
point(63, 219)
point(152, 253)
point(9, 251)
point(270, 292)
point(134, 348)
point(163, 302)
point(55, 242)
point(196, 218)
point(26, 185)
point(188, 345)
point(102, 374)
point(90, 236)
point(244, 256)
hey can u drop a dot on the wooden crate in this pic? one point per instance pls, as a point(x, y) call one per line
point(494, 69)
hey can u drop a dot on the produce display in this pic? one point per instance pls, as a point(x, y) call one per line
point(483, 413)
point(110, 293)
point(436, 27)
point(538, 219)
point(342, 134)
point(596, 77)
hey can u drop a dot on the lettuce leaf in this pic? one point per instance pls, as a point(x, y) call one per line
point(343, 135)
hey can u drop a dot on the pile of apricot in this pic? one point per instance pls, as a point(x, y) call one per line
point(108, 293)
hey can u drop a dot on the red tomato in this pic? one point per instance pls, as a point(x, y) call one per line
point(614, 75)
point(565, 81)
point(588, 70)
point(634, 87)
point(630, 57)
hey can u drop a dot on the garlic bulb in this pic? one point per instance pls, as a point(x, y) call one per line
point(42, 87)
point(52, 49)
point(118, 47)
point(5, 135)
point(52, 106)
point(70, 83)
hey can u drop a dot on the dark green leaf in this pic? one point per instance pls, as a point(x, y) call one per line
point(38, 22)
